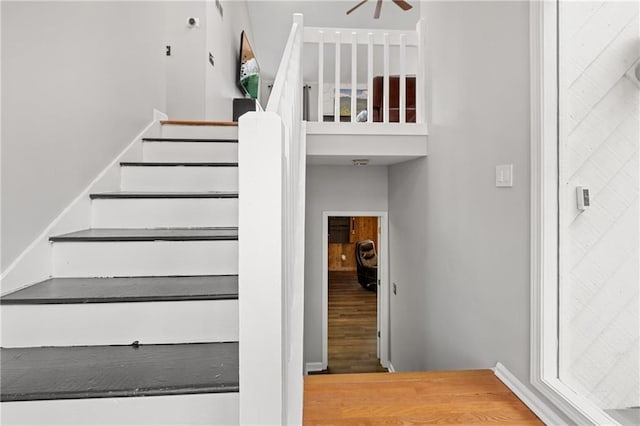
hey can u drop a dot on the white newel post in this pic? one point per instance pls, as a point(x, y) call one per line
point(260, 281)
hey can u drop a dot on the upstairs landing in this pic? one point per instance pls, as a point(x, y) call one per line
point(338, 144)
point(472, 397)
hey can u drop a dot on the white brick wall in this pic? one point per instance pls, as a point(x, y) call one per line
point(599, 308)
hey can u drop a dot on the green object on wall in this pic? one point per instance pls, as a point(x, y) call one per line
point(249, 68)
point(251, 85)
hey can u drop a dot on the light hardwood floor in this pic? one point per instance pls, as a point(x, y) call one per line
point(474, 397)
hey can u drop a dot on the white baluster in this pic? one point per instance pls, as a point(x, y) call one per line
point(336, 98)
point(370, 78)
point(420, 75)
point(403, 80)
point(354, 75)
point(385, 98)
point(320, 75)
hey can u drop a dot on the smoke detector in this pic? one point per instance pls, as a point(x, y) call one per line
point(360, 162)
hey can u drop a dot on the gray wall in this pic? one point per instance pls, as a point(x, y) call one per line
point(79, 80)
point(408, 265)
point(344, 188)
point(459, 245)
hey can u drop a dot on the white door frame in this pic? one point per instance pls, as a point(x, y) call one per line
point(545, 217)
point(383, 276)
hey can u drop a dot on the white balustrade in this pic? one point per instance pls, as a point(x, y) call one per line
point(397, 58)
point(272, 170)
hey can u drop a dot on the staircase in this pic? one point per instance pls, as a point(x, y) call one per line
point(139, 323)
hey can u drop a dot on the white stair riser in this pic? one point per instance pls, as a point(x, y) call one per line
point(164, 212)
point(176, 179)
point(144, 258)
point(120, 323)
point(194, 152)
point(199, 132)
point(196, 409)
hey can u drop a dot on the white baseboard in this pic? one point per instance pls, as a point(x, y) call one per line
point(391, 368)
point(535, 404)
point(35, 262)
point(312, 366)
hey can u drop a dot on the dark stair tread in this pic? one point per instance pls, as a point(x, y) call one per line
point(125, 289)
point(118, 371)
point(215, 140)
point(168, 234)
point(158, 194)
point(169, 164)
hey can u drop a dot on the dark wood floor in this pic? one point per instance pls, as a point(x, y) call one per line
point(352, 326)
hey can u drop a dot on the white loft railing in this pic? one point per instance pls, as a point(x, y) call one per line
point(401, 63)
point(272, 169)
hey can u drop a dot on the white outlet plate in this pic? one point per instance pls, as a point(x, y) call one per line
point(504, 175)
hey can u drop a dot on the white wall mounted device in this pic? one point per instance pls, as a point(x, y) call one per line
point(584, 198)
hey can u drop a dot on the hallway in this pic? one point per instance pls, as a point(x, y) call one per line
point(352, 326)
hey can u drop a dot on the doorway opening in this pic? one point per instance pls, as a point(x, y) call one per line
point(355, 286)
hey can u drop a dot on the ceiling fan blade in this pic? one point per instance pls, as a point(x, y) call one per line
point(376, 15)
point(356, 6)
point(402, 4)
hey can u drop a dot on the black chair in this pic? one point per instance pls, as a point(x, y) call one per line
point(367, 264)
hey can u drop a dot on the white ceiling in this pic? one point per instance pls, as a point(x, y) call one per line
point(271, 22)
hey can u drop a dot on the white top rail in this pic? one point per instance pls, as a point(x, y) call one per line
point(361, 35)
point(279, 84)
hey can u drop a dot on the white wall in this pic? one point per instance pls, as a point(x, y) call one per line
point(332, 188)
point(600, 310)
point(459, 245)
point(197, 90)
point(271, 34)
point(80, 80)
point(186, 68)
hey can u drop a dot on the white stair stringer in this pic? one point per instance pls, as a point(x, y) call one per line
point(179, 178)
point(145, 258)
point(120, 323)
point(164, 212)
point(191, 409)
point(194, 152)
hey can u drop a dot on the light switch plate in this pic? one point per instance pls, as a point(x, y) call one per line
point(504, 175)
